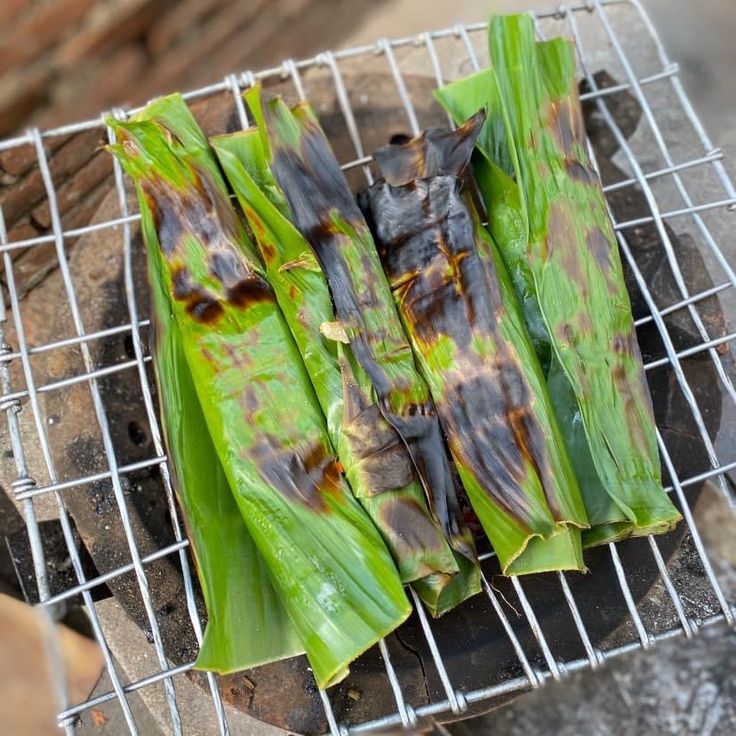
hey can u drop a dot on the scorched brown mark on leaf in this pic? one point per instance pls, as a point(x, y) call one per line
point(435, 152)
point(250, 291)
point(627, 345)
point(201, 304)
point(493, 454)
point(243, 288)
point(564, 333)
point(256, 225)
point(579, 172)
point(177, 212)
point(301, 475)
point(249, 401)
point(426, 238)
point(383, 459)
point(636, 402)
point(561, 240)
point(167, 218)
point(269, 251)
point(528, 437)
point(227, 268)
point(369, 296)
point(414, 528)
point(238, 358)
point(602, 249)
point(440, 313)
point(440, 284)
point(443, 289)
point(566, 124)
point(325, 212)
point(584, 323)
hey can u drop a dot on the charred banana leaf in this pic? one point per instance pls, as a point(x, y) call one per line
point(471, 343)
point(325, 558)
point(325, 212)
point(247, 625)
point(375, 462)
point(548, 215)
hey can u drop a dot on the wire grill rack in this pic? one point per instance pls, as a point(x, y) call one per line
point(661, 166)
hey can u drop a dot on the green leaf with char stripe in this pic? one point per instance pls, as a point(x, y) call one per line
point(247, 624)
point(563, 257)
point(472, 346)
point(375, 462)
point(325, 558)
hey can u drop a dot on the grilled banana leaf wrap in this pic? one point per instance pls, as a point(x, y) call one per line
point(375, 461)
point(324, 211)
point(548, 216)
point(326, 559)
point(472, 346)
point(247, 624)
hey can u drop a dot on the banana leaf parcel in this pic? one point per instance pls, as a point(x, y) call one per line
point(548, 216)
point(375, 462)
point(471, 343)
point(325, 558)
point(324, 211)
point(247, 623)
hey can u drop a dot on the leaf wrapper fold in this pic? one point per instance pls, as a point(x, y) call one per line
point(328, 563)
point(472, 345)
point(548, 216)
point(375, 461)
point(324, 211)
point(247, 624)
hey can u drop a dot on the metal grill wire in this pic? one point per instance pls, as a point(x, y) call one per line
point(455, 701)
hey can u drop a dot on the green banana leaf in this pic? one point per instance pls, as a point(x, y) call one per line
point(324, 211)
point(326, 560)
point(472, 345)
point(376, 464)
point(247, 624)
point(561, 252)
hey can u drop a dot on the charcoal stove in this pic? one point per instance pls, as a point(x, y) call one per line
point(80, 403)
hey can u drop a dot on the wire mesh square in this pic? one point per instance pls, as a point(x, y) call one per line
point(672, 167)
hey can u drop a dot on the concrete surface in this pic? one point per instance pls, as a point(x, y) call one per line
point(136, 659)
point(680, 688)
point(676, 690)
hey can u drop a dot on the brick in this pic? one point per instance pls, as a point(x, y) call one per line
point(180, 21)
point(35, 263)
point(110, 24)
point(319, 25)
point(40, 30)
point(11, 12)
point(76, 152)
point(215, 113)
point(111, 86)
point(24, 195)
point(19, 199)
point(24, 230)
point(106, 86)
point(33, 266)
point(262, 32)
point(17, 161)
point(189, 62)
point(85, 209)
point(20, 94)
point(75, 188)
